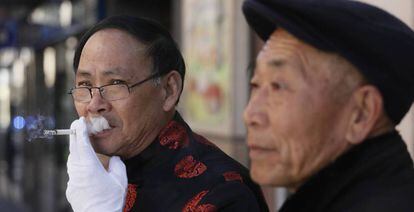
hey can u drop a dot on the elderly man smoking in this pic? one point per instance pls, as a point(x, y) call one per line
point(129, 77)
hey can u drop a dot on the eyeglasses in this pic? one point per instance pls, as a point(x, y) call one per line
point(110, 92)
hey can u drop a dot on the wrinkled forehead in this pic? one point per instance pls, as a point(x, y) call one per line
point(284, 48)
point(280, 52)
point(114, 40)
point(283, 44)
point(114, 52)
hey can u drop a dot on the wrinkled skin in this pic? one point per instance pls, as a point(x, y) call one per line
point(111, 56)
point(295, 126)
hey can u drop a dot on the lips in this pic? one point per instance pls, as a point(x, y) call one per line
point(103, 133)
point(260, 152)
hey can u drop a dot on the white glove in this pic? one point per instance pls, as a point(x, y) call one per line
point(91, 187)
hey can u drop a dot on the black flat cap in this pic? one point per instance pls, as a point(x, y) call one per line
point(377, 43)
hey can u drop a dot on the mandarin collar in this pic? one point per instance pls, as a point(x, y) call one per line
point(360, 162)
point(150, 157)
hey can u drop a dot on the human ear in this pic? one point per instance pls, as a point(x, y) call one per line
point(172, 89)
point(367, 107)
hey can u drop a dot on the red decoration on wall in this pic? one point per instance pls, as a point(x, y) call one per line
point(189, 167)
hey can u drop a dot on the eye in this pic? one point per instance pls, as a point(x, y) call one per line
point(84, 84)
point(117, 82)
point(253, 85)
point(276, 85)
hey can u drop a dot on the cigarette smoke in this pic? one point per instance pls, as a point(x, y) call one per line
point(97, 124)
point(35, 126)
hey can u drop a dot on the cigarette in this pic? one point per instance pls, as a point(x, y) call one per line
point(59, 132)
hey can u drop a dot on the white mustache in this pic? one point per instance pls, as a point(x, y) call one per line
point(97, 124)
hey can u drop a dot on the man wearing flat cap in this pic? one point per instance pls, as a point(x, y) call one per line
point(332, 81)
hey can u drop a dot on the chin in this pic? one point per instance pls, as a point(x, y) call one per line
point(104, 152)
point(104, 148)
point(260, 175)
point(268, 176)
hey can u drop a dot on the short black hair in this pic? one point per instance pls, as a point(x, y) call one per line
point(161, 47)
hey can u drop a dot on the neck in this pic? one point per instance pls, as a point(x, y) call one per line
point(151, 134)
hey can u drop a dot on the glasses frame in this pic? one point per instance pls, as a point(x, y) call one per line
point(100, 88)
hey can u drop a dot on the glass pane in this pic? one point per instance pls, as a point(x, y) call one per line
point(114, 92)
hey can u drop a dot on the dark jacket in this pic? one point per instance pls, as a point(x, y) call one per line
point(7, 206)
point(183, 171)
point(377, 176)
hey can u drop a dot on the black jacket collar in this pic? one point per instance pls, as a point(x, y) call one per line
point(381, 156)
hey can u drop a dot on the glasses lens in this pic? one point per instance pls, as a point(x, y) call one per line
point(81, 94)
point(114, 92)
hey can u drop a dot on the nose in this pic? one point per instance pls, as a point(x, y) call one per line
point(98, 105)
point(255, 114)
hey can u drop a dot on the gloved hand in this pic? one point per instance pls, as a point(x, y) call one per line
point(91, 187)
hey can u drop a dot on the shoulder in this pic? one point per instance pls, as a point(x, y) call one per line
point(227, 196)
point(209, 153)
point(378, 196)
point(8, 206)
point(222, 181)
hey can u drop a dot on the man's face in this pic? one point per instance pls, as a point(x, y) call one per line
point(112, 56)
point(295, 126)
